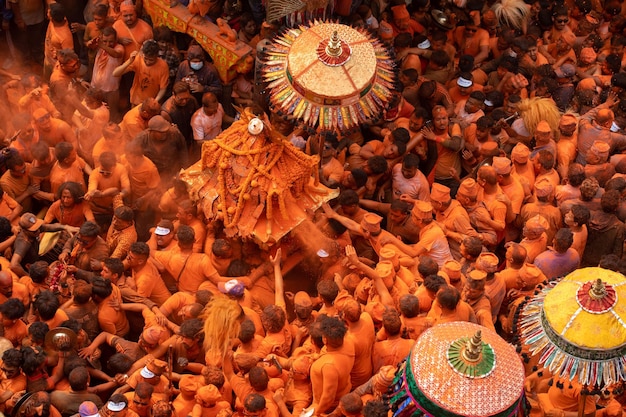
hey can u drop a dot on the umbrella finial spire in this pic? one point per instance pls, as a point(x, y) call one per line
point(474, 348)
point(598, 290)
point(334, 45)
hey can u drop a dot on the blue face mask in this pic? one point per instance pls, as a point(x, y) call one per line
point(196, 65)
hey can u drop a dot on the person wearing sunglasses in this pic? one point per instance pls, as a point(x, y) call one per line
point(472, 40)
point(141, 399)
point(560, 27)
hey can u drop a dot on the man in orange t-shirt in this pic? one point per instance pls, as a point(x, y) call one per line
point(143, 175)
point(363, 335)
point(188, 269)
point(136, 119)
point(69, 167)
point(11, 313)
point(107, 295)
point(395, 348)
point(9, 208)
point(12, 289)
point(58, 36)
point(151, 73)
point(146, 275)
point(188, 215)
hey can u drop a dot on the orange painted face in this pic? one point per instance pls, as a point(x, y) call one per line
point(440, 120)
point(129, 17)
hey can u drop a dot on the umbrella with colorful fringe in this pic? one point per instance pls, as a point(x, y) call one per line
point(331, 76)
point(577, 327)
point(255, 181)
point(459, 369)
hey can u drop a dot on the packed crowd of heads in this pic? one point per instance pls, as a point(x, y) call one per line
point(497, 165)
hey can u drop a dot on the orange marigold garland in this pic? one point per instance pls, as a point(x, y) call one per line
point(271, 170)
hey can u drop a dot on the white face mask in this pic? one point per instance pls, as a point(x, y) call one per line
point(196, 65)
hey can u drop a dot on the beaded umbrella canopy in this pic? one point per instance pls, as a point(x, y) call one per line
point(459, 369)
point(578, 326)
point(331, 76)
point(255, 181)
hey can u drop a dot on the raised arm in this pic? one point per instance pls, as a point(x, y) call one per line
point(279, 294)
point(353, 226)
point(381, 289)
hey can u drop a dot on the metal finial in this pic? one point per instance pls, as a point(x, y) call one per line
point(473, 348)
point(334, 45)
point(598, 290)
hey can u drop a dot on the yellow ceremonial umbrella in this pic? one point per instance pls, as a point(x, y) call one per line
point(578, 327)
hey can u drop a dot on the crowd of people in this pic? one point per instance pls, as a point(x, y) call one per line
point(497, 165)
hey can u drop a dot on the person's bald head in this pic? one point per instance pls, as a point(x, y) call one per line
point(605, 117)
point(6, 284)
point(488, 174)
point(150, 108)
point(515, 255)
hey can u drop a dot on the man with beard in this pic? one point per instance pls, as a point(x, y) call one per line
point(426, 150)
point(12, 380)
point(122, 232)
point(162, 238)
point(132, 32)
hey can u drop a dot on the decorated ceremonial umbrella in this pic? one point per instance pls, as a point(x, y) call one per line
point(460, 369)
point(255, 181)
point(331, 76)
point(577, 327)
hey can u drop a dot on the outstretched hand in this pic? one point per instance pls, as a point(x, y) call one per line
point(276, 258)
